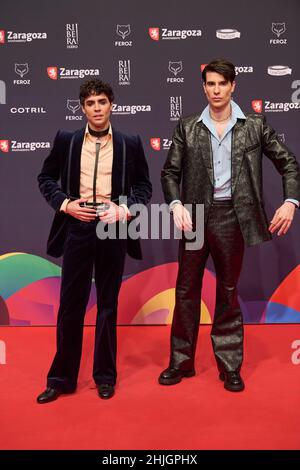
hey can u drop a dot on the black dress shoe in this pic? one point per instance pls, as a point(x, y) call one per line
point(232, 381)
point(172, 376)
point(106, 391)
point(50, 394)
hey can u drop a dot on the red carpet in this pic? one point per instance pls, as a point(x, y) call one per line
point(195, 414)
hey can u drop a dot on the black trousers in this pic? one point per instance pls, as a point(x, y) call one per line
point(224, 241)
point(84, 251)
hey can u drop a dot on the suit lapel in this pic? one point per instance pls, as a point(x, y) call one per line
point(117, 168)
point(204, 145)
point(237, 150)
point(75, 163)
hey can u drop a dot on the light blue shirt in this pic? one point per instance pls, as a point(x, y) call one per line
point(221, 149)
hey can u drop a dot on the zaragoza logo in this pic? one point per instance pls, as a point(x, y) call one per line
point(4, 146)
point(257, 105)
point(155, 143)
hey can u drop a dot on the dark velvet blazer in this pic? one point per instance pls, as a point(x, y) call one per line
point(60, 179)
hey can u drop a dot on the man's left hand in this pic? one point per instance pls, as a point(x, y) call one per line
point(113, 214)
point(283, 218)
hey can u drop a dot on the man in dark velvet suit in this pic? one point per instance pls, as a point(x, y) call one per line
point(217, 157)
point(102, 173)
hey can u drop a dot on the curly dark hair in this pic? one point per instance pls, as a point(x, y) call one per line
point(221, 66)
point(95, 87)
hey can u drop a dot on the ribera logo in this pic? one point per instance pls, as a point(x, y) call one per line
point(72, 35)
point(28, 110)
point(73, 106)
point(130, 109)
point(278, 29)
point(124, 72)
point(12, 36)
point(123, 30)
point(160, 144)
point(21, 70)
point(2, 92)
point(15, 146)
point(268, 106)
point(156, 33)
point(175, 108)
point(228, 34)
point(62, 72)
point(175, 68)
point(279, 70)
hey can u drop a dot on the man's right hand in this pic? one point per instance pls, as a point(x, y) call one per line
point(182, 218)
point(86, 214)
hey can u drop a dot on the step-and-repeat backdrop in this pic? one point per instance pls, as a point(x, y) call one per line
point(152, 54)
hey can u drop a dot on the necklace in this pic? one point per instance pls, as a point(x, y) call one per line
point(98, 134)
point(220, 120)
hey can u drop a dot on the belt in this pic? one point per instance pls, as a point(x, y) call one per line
point(222, 202)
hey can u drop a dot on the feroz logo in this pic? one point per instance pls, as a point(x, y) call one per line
point(124, 72)
point(257, 106)
point(175, 108)
point(4, 146)
point(175, 67)
point(2, 92)
point(296, 354)
point(279, 70)
point(228, 34)
point(155, 143)
point(2, 36)
point(72, 35)
point(278, 29)
point(154, 33)
point(52, 73)
point(21, 69)
point(2, 352)
point(281, 137)
point(73, 105)
point(123, 30)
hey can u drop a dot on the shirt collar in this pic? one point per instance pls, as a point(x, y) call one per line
point(237, 113)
